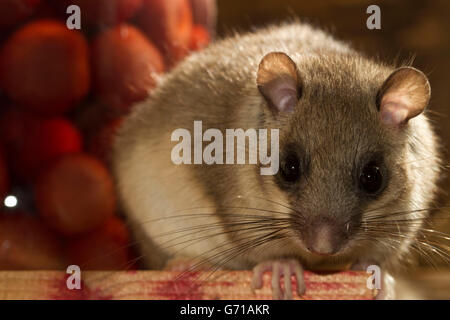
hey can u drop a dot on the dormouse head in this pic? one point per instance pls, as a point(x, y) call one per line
point(347, 127)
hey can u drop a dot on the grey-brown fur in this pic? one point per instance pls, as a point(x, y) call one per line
point(335, 122)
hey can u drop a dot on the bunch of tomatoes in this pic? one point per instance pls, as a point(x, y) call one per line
point(63, 94)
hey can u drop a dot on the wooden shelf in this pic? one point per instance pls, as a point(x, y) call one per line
point(49, 285)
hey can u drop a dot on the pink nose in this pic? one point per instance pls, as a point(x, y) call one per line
point(324, 238)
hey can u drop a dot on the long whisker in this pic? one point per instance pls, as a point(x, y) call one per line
point(214, 214)
point(242, 247)
point(391, 214)
point(196, 240)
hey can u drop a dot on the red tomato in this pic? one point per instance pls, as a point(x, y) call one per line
point(125, 65)
point(106, 248)
point(169, 24)
point(26, 244)
point(45, 67)
point(199, 39)
point(34, 142)
point(76, 194)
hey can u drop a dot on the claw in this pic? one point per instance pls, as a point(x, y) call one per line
point(280, 268)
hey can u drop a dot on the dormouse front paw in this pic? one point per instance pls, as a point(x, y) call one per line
point(282, 271)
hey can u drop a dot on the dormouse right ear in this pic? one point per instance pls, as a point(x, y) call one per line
point(279, 82)
point(404, 95)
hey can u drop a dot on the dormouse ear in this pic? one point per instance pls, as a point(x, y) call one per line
point(404, 95)
point(279, 82)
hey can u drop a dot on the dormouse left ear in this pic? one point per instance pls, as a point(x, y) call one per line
point(279, 82)
point(404, 95)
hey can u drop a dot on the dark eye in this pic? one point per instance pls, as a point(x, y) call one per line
point(371, 178)
point(290, 168)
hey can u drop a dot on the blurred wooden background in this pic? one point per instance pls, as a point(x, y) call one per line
point(409, 28)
